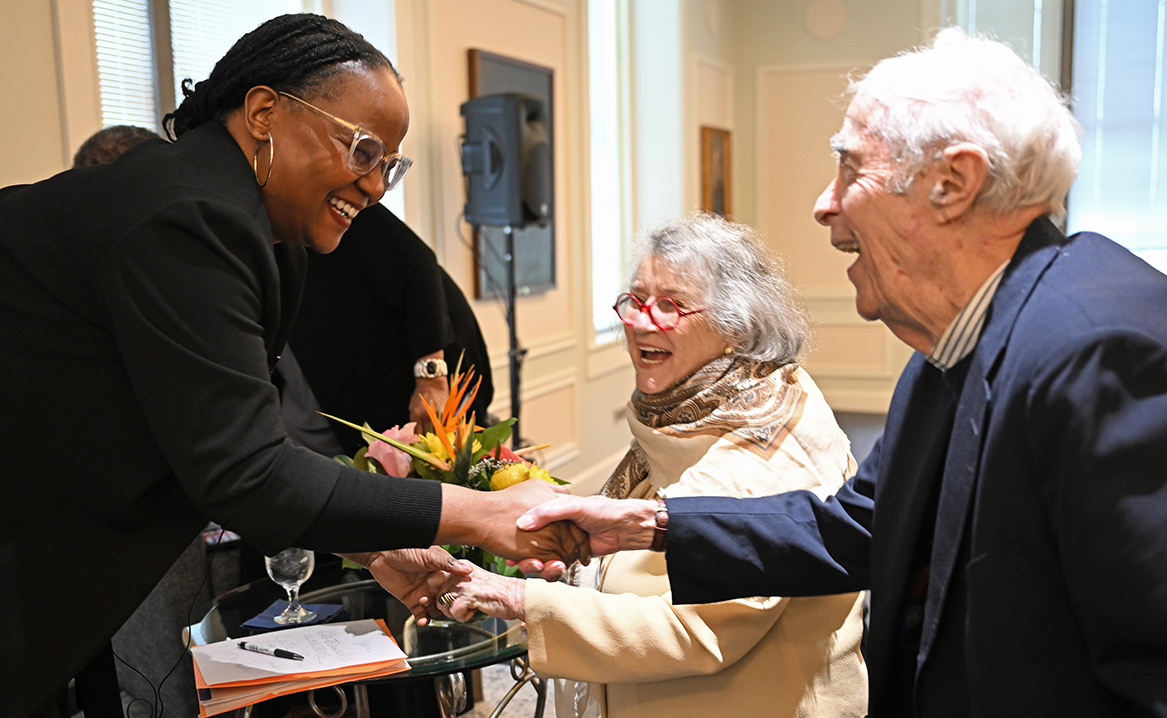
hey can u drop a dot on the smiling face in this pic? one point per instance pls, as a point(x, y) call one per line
point(663, 358)
point(901, 270)
point(312, 194)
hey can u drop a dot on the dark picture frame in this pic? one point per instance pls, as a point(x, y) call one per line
point(716, 171)
point(534, 245)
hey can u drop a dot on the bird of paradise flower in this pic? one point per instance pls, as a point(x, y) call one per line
point(456, 451)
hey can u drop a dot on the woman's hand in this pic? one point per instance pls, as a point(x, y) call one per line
point(484, 591)
point(412, 575)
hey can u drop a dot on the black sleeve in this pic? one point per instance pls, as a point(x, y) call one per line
point(191, 296)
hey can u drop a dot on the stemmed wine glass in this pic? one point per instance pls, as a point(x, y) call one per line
point(290, 568)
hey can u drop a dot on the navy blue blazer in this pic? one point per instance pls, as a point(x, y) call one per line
point(1047, 592)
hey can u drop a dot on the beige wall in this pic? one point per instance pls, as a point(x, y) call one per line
point(573, 392)
point(30, 124)
point(774, 74)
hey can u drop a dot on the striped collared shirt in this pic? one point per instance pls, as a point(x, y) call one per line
point(961, 336)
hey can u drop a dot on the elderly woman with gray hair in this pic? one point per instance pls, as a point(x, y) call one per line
point(721, 408)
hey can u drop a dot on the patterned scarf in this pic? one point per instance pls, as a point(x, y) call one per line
point(754, 404)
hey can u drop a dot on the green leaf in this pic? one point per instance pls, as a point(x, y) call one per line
point(364, 463)
point(492, 437)
point(499, 564)
point(426, 471)
point(463, 461)
point(412, 451)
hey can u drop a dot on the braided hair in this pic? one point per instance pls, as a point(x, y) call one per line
point(289, 53)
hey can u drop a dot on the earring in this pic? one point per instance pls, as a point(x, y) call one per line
point(728, 351)
point(271, 158)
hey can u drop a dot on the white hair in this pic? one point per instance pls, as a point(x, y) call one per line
point(742, 287)
point(972, 89)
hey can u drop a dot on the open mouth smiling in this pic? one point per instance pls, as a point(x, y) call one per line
point(652, 355)
point(345, 209)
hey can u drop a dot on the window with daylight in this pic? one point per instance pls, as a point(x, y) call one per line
point(610, 175)
point(1119, 63)
point(1110, 56)
point(125, 63)
point(145, 48)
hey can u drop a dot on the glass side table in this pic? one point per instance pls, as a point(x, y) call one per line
point(442, 649)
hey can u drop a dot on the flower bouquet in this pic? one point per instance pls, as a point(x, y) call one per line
point(457, 451)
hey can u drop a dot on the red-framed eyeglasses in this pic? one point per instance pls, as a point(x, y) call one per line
point(664, 312)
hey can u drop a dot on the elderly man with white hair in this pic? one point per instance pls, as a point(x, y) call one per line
point(1011, 523)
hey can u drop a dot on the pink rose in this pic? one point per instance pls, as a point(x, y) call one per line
point(395, 461)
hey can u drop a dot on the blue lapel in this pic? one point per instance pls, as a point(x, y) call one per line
point(1040, 245)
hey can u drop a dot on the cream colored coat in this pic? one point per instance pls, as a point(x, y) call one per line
point(757, 656)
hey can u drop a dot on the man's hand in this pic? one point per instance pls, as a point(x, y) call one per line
point(436, 392)
point(412, 575)
point(487, 519)
point(611, 524)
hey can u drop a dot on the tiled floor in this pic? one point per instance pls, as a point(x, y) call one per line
point(496, 681)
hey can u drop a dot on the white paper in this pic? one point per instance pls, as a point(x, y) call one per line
point(325, 647)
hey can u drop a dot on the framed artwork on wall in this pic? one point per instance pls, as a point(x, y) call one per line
point(534, 245)
point(716, 172)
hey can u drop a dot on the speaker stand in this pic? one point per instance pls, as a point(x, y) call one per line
point(515, 354)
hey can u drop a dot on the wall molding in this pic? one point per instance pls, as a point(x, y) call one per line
point(561, 456)
point(535, 388)
point(788, 68)
point(591, 480)
point(538, 349)
point(861, 400)
point(855, 386)
point(606, 360)
point(546, 5)
point(727, 72)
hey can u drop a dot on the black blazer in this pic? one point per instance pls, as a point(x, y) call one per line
point(142, 304)
point(1047, 592)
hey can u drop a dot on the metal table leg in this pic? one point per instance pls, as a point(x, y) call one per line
point(339, 711)
point(451, 690)
point(522, 673)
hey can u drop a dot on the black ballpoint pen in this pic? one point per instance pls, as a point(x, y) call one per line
point(277, 652)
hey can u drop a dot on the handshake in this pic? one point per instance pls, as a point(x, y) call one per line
point(531, 524)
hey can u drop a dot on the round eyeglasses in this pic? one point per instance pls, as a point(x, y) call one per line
point(366, 150)
point(664, 312)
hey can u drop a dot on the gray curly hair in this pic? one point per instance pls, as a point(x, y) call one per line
point(973, 89)
point(741, 285)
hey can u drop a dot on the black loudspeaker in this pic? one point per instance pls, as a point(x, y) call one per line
point(507, 161)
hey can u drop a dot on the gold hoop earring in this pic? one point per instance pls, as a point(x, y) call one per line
point(271, 158)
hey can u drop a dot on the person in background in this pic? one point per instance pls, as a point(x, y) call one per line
point(381, 326)
point(721, 407)
point(141, 328)
point(1010, 522)
point(107, 145)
